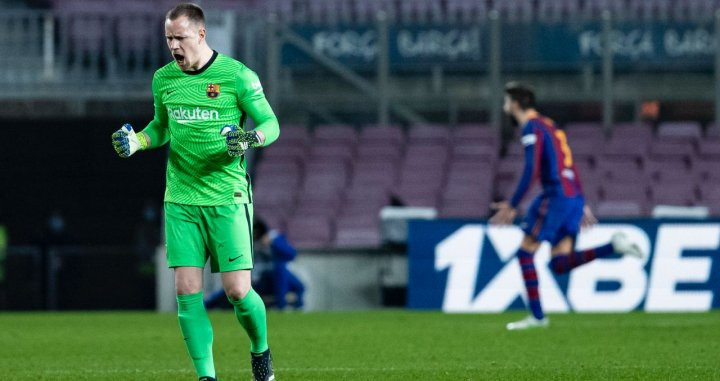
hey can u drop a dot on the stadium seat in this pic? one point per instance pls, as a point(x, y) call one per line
point(613, 191)
point(706, 169)
point(591, 9)
point(710, 197)
point(429, 179)
point(510, 168)
point(712, 132)
point(425, 152)
point(366, 11)
point(275, 196)
point(687, 131)
point(421, 11)
point(659, 170)
point(592, 192)
point(309, 232)
point(514, 10)
point(428, 134)
point(649, 10)
point(454, 208)
point(466, 11)
point(557, 10)
point(680, 194)
point(515, 151)
point(369, 197)
point(709, 149)
point(374, 134)
point(632, 131)
point(614, 209)
point(625, 149)
point(285, 150)
point(619, 170)
point(357, 231)
point(591, 131)
point(336, 134)
point(585, 150)
point(332, 153)
point(477, 178)
point(383, 153)
point(482, 134)
point(374, 178)
point(294, 133)
point(288, 181)
point(412, 194)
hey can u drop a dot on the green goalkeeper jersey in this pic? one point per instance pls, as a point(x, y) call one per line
point(190, 110)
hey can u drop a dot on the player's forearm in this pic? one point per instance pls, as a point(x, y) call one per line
point(265, 120)
point(526, 179)
point(270, 130)
point(156, 135)
point(522, 189)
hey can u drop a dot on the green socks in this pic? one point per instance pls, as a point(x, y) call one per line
point(250, 312)
point(197, 331)
point(198, 334)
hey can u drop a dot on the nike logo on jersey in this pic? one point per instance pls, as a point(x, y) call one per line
point(232, 259)
point(169, 91)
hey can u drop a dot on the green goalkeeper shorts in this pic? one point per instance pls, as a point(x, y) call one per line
point(223, 233)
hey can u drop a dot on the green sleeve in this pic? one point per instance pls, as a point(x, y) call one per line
point(157, 129)
point(251, 100)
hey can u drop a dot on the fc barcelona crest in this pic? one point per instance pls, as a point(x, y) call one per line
point(213, 90)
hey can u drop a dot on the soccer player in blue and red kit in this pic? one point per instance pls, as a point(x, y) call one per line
point(558, 212)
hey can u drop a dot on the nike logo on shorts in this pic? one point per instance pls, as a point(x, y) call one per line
point(232, 259)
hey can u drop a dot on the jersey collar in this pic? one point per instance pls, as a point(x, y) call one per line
point(207, 65)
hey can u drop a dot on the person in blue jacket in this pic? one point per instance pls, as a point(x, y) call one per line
point(275, 245)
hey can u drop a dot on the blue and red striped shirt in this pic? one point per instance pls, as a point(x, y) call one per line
point(547, 158)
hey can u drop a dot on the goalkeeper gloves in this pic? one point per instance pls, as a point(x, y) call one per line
point(127, 142)
point(238, 141)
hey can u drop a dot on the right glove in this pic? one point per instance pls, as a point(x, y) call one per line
point(126, 142)
point(238, 141)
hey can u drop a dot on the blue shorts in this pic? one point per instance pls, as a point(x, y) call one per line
point(552, 218)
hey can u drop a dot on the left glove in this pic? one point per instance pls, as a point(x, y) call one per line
point(126, 142)
point(238, 141)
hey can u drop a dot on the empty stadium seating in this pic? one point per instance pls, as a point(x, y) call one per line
point(326, 186)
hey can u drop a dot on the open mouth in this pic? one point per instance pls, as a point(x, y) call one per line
point(179, 58)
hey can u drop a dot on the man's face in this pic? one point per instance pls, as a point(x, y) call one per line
point(184, 38)
point(508, 105)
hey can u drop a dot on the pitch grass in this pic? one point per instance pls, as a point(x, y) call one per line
point(379, 345)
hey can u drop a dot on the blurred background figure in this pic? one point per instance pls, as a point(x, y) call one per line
point(278, 279)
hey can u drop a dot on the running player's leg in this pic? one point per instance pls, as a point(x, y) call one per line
point(542, 223)
point(187, 255)
point(565, 258)
point(535, 219)
point(525, 255)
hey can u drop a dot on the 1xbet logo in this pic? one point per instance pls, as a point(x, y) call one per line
point(665, 280)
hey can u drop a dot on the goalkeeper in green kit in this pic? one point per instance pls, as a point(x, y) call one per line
point(202, 101)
